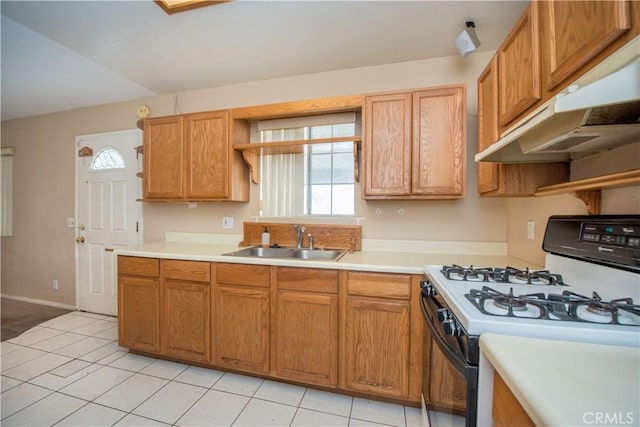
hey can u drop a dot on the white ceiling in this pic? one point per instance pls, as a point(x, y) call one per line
point(61, 55)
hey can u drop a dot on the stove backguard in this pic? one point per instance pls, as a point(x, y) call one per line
point(611, 240)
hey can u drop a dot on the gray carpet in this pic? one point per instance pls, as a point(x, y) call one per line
point(19, 316)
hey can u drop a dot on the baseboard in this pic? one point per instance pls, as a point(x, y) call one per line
point(39, 301)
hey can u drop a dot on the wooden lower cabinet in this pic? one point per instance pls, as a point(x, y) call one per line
point(138, 304)
point(351, 331)
point(377, 333)
point(446, 388)
point(305, 325)
point(506, 409)
point(241, 331)
point(186, 310)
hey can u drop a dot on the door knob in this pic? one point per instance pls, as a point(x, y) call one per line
point(80, 239)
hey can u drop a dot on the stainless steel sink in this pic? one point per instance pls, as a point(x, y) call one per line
point(318, 254)
point(290, 253)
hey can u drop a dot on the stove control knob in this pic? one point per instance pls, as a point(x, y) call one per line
point(451, 327)
point(427, 288)
point(443, 314)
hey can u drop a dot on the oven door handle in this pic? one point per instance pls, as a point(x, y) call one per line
point(456, 360)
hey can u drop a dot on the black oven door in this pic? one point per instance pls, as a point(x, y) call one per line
point(458, 348)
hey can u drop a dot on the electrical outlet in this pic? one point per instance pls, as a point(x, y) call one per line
point(71, 222)
point(227, 222)
point(531, 230)
point(55, 284)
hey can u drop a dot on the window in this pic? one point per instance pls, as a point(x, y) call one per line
point(106, 159)
point(317, 181)
point(6, 214)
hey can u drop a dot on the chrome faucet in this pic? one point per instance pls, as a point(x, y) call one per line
point(299, 234)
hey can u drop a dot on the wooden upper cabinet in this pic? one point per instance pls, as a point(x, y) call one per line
point(488, 124)
point(519, 67)
point(163, 158)
point(190, 157)
point(387, 144)
point(439, 142)
point(574, 32)
point(414, 144)
point(207, 155)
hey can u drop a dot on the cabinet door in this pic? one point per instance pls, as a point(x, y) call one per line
point(139, 313)
point(377, 346)
point(519, 67)
point(186, 329)
point(488, 124)
point(387, 145)
point(242, 328)
point(163, 158)
point(576, 31)
point(306, 335)
point(447, 388)
point(439, 142)
point(207, 155)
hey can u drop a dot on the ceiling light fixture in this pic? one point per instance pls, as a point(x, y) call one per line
point(173, 6)
point(467, 41)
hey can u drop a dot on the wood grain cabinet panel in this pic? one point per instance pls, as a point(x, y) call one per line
point(488, 124)
point(439, 142)
point(186, 326)
point(139, 313)
point(507, 180)
point(574, 32)
point(506, 409)
point(377, 346)
point(207, 155)
point(519, 67)
point(190, 157)
point(163, 158)
point(306, 337)
point(186, 309)
point(241, 319)
point(415, 144)
point(387, 144)
point(305, 325)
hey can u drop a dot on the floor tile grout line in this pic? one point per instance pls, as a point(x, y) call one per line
point(31, 404)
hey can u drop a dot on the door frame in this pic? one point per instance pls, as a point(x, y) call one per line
point(76, 208)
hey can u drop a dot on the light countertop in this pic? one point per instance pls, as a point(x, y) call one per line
point(396, 258)
point(561, 383)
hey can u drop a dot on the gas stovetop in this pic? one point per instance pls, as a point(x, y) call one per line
point(501, 275)
point(567, 306)
point(569, 300)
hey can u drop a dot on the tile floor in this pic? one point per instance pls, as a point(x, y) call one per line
point(70, 371)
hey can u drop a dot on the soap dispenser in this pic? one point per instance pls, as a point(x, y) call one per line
point(266, 238)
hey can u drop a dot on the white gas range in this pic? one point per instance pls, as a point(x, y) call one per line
point(487, 306)
point(588, 292)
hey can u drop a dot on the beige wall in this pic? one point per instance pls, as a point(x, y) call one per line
point(43, 249)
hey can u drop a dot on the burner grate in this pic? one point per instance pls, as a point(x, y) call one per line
point(502, 275)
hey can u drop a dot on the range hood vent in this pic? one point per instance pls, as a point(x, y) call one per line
point(594, 114)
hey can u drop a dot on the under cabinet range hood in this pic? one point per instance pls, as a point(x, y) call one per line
point(598, 112)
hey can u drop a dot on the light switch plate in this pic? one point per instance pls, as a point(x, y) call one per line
point(71, 222)
point(531, 230)
point(227, 222)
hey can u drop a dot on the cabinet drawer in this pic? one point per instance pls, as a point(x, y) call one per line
point(379, 285)
point(137, 266)
point(308, 279)
point(196, 271)
point(243, 274)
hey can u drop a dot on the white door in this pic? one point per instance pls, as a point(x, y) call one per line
point(108, 215)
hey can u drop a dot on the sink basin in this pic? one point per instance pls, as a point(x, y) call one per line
point(290, 253)
point(318, 254)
